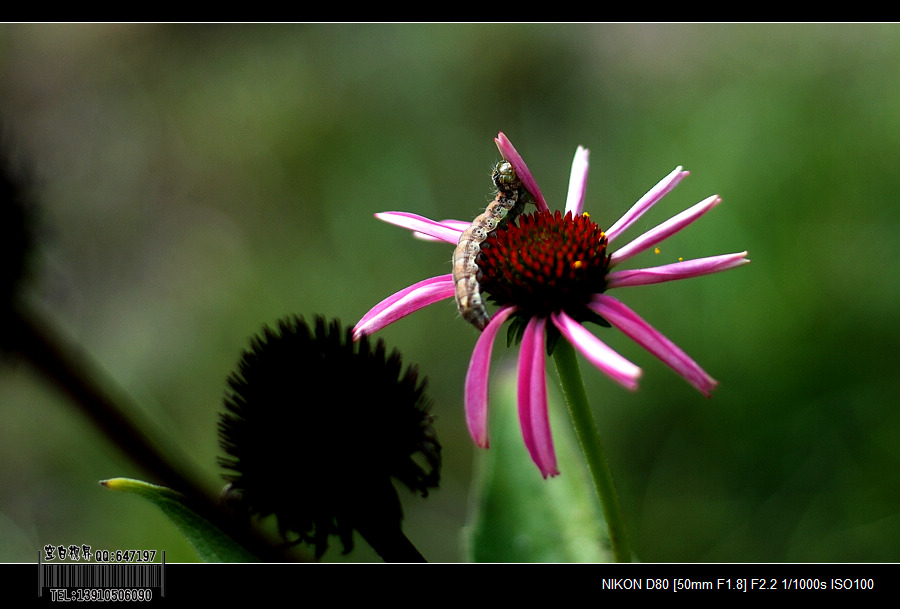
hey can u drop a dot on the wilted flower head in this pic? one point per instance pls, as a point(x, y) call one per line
point(549, 272)
point(317, 424)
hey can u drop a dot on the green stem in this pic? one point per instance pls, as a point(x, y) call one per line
point(589, 438)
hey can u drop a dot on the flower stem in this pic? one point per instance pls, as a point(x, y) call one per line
point(589, 439)
point(389, 542)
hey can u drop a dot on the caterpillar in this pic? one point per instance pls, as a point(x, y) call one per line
point(508, 203)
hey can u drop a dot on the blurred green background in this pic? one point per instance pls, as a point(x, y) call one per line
point(196, 182)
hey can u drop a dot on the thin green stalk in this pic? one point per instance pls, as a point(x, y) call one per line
point(589, 438)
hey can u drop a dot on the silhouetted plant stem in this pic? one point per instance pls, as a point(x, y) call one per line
point(68, 368)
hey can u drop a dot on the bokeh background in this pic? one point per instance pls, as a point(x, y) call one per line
point(198, 181)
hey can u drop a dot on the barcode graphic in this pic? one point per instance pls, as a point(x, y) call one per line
point(102, 576)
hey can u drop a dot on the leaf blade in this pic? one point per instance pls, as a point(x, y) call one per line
point(210, 542)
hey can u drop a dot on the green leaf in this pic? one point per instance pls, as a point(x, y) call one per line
point(211, 544)
point(517, 516)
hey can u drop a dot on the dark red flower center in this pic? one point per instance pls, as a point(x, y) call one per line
point(545, 262)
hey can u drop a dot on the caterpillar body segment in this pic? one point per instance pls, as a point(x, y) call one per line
point(509, 202)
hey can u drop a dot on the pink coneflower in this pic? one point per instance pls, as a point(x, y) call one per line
point(555, 266)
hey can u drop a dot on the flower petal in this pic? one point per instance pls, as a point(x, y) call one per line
point(646, 202)
point(533, 415)
point(456, 225)
point(420, 224)
point(476, 392)
point(664, 230)
point(404, 302)
point(509, 153)
point(597, 352)
point(629, 322)
point(577, 182)
point(678, 270)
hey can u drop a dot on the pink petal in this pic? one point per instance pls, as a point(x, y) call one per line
point(420, 224)
point(653, 341)
point(456, 225)
point(664, 230)
point(510, 154)
point(597, 352)
point(646, 202)
point(677, 270)
point(577, 182)
point(533, 415)
point(476, 392)
point(404, 302)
